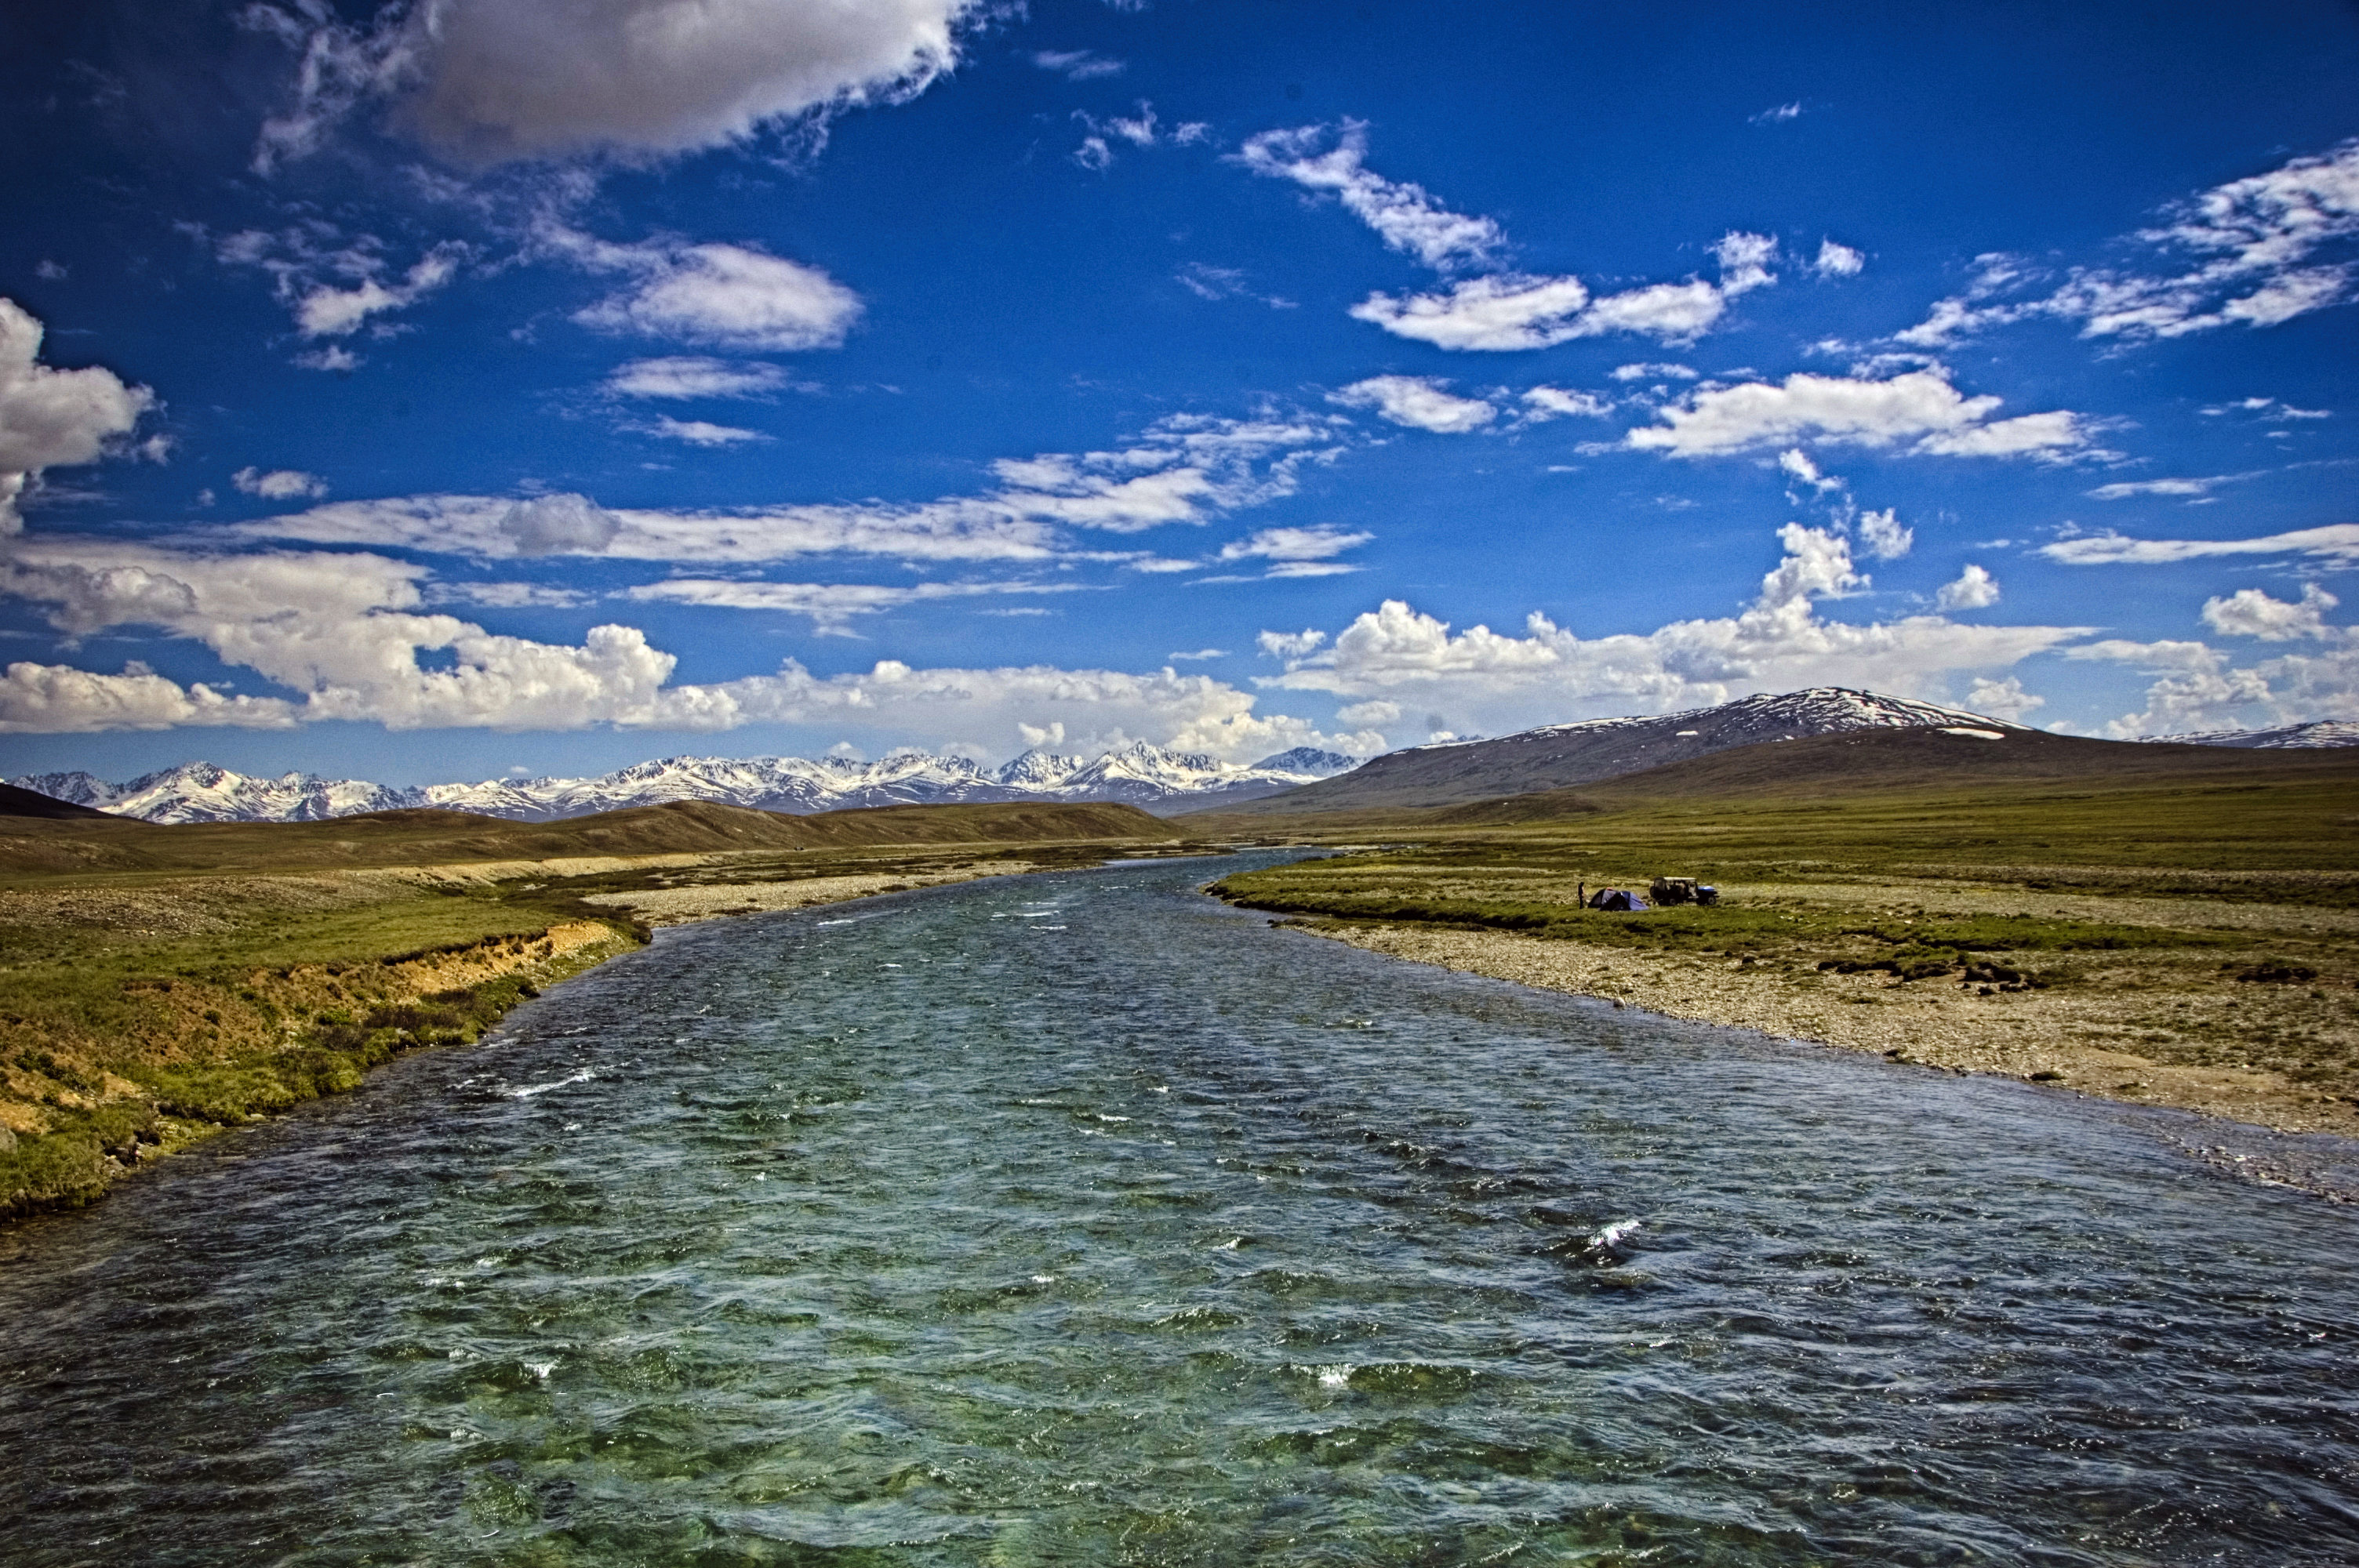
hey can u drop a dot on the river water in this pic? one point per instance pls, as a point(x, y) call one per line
point(1079, 1219)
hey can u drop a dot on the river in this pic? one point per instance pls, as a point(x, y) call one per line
point(1080, 1219)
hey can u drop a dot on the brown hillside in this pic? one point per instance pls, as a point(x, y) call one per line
point(99, 844)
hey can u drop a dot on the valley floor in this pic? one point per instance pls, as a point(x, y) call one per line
point(2240, 1010)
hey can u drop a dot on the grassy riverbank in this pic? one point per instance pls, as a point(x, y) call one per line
point(2188, 943)
point(177, 982)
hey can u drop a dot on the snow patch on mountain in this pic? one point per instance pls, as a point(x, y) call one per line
point(2319, 732)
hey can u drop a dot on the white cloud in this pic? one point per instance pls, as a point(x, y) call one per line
point(58, 699)
point(1509, 311)
point(2336, 542)
point(1185, 468)
point(1505, 310)
point(1198, 656)
point(1076, 65)
point(560, 524)
point(2188, 487)
point(1744, 261)
point(1884, 536)
point(1654, 373)
point(1838, 261)
point(331, 357)
point(1797, 465)
point(1549, 403)
point(279, 484)
point(1317, 542)
point(2268, 409)
point(1974, 588)
point(1496, 682)
point(1141, 130)
point(830, 606)
point(730, 297)
point(330, 313)
point(1224, 283)
point(344, 634)
point(2003, 698)
point(1419, 402)
point(691, 375)
point(53, 419)
point(2249, 612)
point(1403, 215)
point(1920, 407)
point(490, 80)
point(2254, 245)
point(1289, 645)
point(1779, 114)
point(699, 432)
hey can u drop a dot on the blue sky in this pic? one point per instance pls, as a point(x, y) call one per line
point(457, 388)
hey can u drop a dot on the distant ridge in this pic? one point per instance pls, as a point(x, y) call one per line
point(15, 802)
point(1558, 756)
point(1139, 775)
point(2319, 732)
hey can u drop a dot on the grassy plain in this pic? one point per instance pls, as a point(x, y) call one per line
point(158, 985)
point(2189, 941)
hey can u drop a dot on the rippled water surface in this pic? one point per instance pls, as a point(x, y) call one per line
point(1081, 1220)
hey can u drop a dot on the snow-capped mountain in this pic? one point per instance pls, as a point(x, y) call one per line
point(1556, 756)
point(2319, 732)
point(1140, 774)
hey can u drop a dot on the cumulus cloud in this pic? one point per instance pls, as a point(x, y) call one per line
point(1885, 538)
point(2257, 252)
point(2336, 542)
point(2003, 698)
point(1655, 373)
point(1496, 682)
point(1420, 402)
point(724, 296)
point(1508, 311)
point(1405, 215)
point(1918, 409)
point(279, 484)
point(50, 417)
point(1973, 589)
point(485, 81)
point(2250, 612)
point(58, 699)
point(344, 634)
point(1550, 403)
point(1838, 261)
point(683, 376)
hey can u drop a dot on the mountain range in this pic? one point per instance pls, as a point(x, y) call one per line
point(1305, 780)
point(1139, 775)
point(1557, 756)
